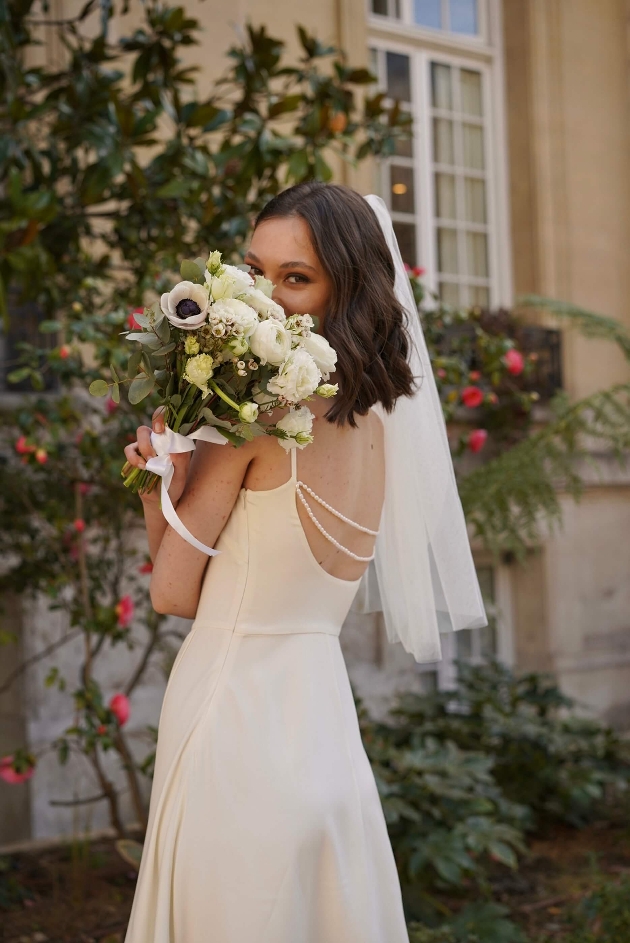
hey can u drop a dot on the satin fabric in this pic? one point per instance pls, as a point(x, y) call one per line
point(265, 824)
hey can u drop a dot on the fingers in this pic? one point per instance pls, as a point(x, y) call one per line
point(158, 419)
point(138, 452)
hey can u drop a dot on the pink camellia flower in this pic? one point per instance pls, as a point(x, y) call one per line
point(477, 440)
point(417, 271)
point(441, 372)
point(79, 525)
point(22, 446)
point(474, 375)
point(472, 396)
point(41, 455)
point(124, 611)
point(119, 706)
point(146, 567)
point(11, 775)
point(514, 361)
point(110, 406)
point(64, 351)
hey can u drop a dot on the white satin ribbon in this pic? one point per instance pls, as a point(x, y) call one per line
point(168, 442)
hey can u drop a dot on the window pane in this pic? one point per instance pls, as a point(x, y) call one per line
point(478, 295)
point(401, 182)
point(470, 85)
point(373, 61)
point(447, 251)
point(473, 146)
point(477, 252)
point(406, 236)
point(441, 87)
point(443, 141)
point(463, 16)
point(380, 7)
point(398, 76)
point(404, 148)
point(449, 294)
point(475, 200)
point(445, 207)
point(428, 13)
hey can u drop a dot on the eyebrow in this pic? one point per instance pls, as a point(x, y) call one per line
point(296, 263)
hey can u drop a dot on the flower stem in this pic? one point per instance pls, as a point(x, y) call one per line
point(224, 396)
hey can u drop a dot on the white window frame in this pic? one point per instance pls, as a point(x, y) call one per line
point(481, 38)
point(496, 174)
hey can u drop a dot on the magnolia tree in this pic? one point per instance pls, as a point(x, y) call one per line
point(112, 171)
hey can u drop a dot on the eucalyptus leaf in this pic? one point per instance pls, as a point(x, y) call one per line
point(191, 272)
point(163, 330)
point(163, 351)
point(112, 370)
point(243, 429)
point(140, 388)
point(133, 364)
point(213, 420)
point(146, 338)
point(98, 388)
point(147, 366)
point(176, 400)
point(116, 393)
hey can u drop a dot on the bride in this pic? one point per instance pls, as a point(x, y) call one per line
point(265, 824)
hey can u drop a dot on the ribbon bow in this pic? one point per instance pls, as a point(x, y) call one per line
point(169, 442)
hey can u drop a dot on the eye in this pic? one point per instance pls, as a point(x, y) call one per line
point(302, 279)
point(253, 270)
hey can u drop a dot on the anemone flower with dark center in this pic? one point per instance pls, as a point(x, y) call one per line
point(187, 308)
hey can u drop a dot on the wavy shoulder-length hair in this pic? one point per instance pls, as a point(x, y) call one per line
point(364, 322)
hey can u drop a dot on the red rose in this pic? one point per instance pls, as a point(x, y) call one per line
point(514, 361)
point(477, 440)
point(79, 525)
point(22, 447)
point(119, 706)
point(124, 610)
point(417, 271)
point(146, 567)
point(10, 775)
point(64, 351)
point(472, 396)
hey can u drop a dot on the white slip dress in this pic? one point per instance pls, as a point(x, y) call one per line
point(265, 824)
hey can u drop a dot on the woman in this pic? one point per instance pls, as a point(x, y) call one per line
point(265, 825)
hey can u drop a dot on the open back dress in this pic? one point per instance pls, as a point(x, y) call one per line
point(265, 824)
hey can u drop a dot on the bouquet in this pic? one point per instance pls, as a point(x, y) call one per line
point(223, 354)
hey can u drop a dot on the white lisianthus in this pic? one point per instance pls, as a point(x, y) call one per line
point(199, 370)
point(270, 342)
point(235, 347)
point(297, 378)
point(248, 412)
point(230, 283)
point(240, 316)
point(264, 285)
point(186, 305)
point(191, 345)
point(327, 390)
point(298, 424)
point(214, 262)
point(264, 305)
point(322, 353)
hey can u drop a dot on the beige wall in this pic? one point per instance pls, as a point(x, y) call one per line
point(569, 152)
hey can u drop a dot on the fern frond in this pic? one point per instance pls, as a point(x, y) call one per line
point(589, 323)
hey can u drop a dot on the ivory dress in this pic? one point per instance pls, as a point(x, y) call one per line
point(265, 824)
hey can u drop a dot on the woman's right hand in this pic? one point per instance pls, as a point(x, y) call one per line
point(137, 453)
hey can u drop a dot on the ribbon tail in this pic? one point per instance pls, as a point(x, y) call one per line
point(171, 516)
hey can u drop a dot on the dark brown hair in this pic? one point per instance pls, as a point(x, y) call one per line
point(364, 321)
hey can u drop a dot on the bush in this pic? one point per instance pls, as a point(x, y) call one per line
point(560, 766)
point(603, 916)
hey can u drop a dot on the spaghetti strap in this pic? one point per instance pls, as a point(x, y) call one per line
point(299, 485)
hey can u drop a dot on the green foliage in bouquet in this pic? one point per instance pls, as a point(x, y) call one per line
point(561, 766)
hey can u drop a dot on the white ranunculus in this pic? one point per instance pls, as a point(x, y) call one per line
point(199, 370)
point(327, 390)
point(297, 378)
point(264, 285)
point(191, 345)
point(321, 352)
point(297, 422)
point(248, 412)
point(231, 283)
point(186, 305)
point(270, 342)
point(240, 316)
point(266, 307)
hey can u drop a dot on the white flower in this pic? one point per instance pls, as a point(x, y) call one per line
point(264, 285)
point(191, 345)
point(248, 412)
point(321, 352)
point(199, 370)
point(327, 390)
point(230, 311)
point(265, 307)
point(214, 262)
point(235, 347)
point(186, 305)
point(298, 423)
point(230, 283)
point(297, 378)
point(270, 342)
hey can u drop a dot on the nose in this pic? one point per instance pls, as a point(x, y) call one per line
point(276, 295)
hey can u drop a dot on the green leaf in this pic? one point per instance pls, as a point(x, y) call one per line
point(98, 388)
point(112, 370)
point(163, 351)
point(234, 439)
point(503, 853)
point(191, 273)
point(16, 376)
point(213, 420)
point(163, 330)
point(49, 327)
point(147, 366)
point(133, 365)
point(140, 388)
point(116, 393)
point(174, 188)
point(297, 167)
point(288, 103)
